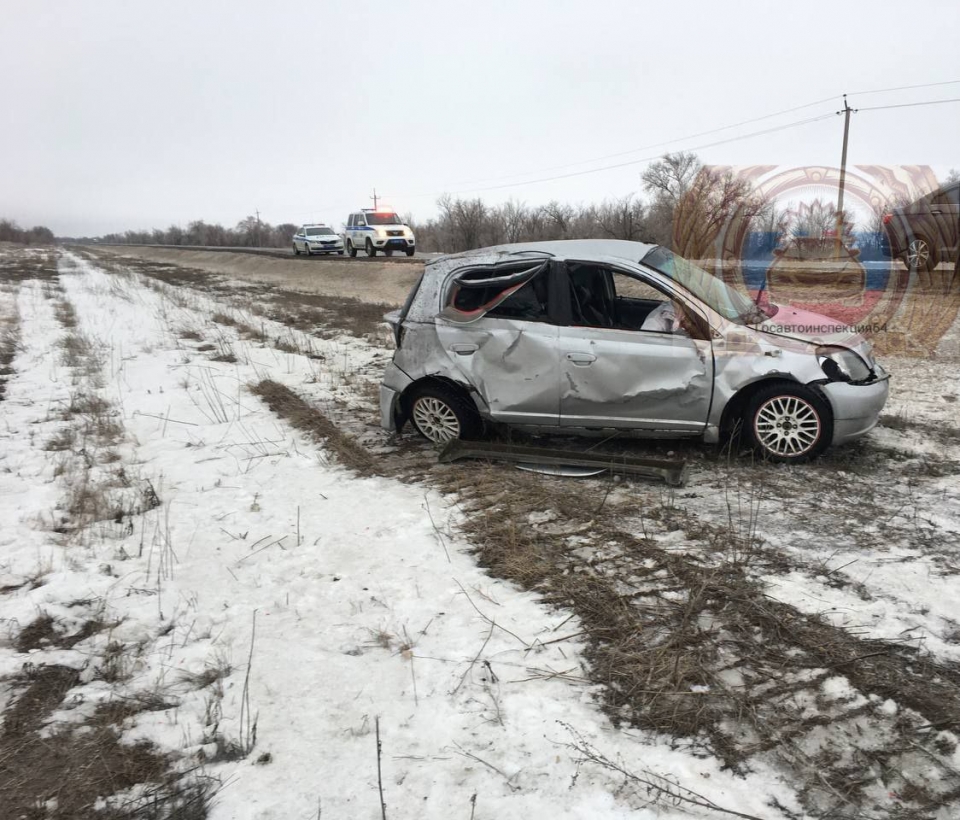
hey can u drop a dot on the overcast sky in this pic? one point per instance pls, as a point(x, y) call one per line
point(122, 114)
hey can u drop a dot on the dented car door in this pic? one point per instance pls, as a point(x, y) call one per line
point(620, 375)
point(497, 330)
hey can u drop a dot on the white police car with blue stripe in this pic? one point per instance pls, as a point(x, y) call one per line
point(311, 239)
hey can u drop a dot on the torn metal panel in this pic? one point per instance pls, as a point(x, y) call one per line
point(673, 472)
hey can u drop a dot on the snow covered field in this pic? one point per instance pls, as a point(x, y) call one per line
point(183, 548)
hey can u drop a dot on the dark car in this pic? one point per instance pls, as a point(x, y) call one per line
point(925, 232)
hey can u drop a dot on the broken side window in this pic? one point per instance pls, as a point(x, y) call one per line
point(508, 291)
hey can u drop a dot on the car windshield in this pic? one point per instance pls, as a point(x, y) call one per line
point(320, 230)
point(383, 219)
point(729, 303)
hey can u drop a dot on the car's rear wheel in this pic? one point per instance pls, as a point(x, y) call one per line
point(350, 249)
point(371, 251)
point(388, 251)
point(440, 414)
point(339, 253)
point(920, 255)
point(410, 251)
point(788, 423)
point(296, 250)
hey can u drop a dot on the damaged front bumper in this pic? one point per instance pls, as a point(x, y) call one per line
point(856, 407)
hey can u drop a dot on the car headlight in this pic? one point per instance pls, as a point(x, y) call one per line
point(840, 364)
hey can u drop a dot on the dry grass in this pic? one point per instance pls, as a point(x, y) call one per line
point(9, 341)
point(21, 267)
point(45, 633)
point(665, 630)
point(63, 775)
point(287, 404)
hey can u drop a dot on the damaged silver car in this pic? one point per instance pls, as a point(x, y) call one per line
point(592, 335)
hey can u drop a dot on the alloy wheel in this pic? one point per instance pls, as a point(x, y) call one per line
point(918, 254)
point(787, 426)
point(435, 419)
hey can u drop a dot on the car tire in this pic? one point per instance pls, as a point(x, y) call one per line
point(410, 251)
point(352, 251)
point(920, 255)
point(339, 253)
point(441, 414)
point(788, 423)
point(371, 251)
point(296, 250)
point(388, 251)
point(306, 249)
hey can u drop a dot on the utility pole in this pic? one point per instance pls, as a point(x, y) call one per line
point(374, 198)
point(258, 223)
point(847, 111)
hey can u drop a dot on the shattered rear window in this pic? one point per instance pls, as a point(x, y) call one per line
point(514, 291)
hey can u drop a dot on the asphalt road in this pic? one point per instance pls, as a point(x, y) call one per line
point(287, 253)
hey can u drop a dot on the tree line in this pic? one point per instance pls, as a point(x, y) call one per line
point(685, 205)
point(249, 232)
point(10, 231)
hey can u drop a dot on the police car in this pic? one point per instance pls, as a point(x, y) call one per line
point(372, 231)
point(312, 239)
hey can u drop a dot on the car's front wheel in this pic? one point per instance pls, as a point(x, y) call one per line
point(788, 423)
point(920, 255)
point(296, 250)
point(339, 253)
point(410, 251)
point(371, 251)
point(440, 414)
point(350, 249)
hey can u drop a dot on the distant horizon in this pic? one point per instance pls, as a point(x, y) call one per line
point(138, 117)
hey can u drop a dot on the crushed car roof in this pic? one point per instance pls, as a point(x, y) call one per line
point(564, 249)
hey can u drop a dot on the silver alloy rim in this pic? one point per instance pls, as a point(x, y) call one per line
point(918, 254)
point(435, 419)
point(787, 426)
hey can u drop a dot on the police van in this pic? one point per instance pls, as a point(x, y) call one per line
point(374, 230)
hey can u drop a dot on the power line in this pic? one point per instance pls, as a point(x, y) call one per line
point(452, 189)
point(902, 88)
point(642, 159)
point(646, 147)
point(909, 105)
point(455, 185)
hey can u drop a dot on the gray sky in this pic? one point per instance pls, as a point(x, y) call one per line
point(128, 114)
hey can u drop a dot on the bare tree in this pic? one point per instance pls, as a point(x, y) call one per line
point(716, 204)
point(559, 217)
point(669, 178)
point(622, 218)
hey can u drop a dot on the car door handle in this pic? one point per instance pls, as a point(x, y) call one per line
point(464, 350)
point(581, 359)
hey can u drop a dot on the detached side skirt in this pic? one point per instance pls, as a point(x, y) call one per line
point(673, 472)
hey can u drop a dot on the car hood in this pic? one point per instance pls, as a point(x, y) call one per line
point(806, 326)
